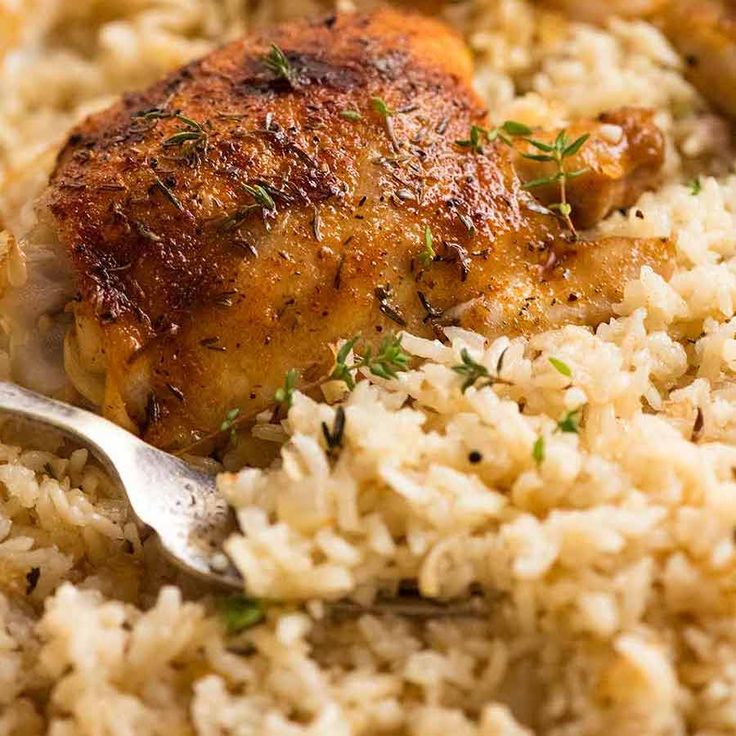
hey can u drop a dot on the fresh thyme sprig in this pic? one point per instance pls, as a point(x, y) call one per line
point(277, 63)
point(472, 371)
point(428, 253)
point(557, 152)
point(193, 136)
point(505, 132)
point(263, 199)
point(263, 202)
point(192, 133)
point(388, 362)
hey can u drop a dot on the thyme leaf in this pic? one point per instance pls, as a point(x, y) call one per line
point(381, 107)
point(352, 115)
point(192, 132)
point(539, 450)
point(277, 63)
point(341, 371)
point(334, 437)
point(472, 371)
point(427, 254)
point(387, 362)
point(512, 127)
point(263, 199)
point(284, 395)
point(570, 423)
point(474, 140)
point(239, 612)
point(168, 193)
point(228, 424)
point(505, 132)
point(561, 367)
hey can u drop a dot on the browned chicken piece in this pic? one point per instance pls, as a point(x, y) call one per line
point(621, 157)
point(702, 31)
point(239, 217)
point(600, 11)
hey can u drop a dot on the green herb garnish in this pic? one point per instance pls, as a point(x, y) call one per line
point(472, 371)
point(538, 450)
point(388, 362)
point(277, 63)
point(509, 128)
point(285, 394)
point(428, 253)
point(474, 140)
point(192, 133)
point(561, 367)
point(239, 613)
point(695, 186)
point(228, 424)
point(557, 152)
point(352, 115)
point(382, 108)
point(260, 194)
point(504, 132)
point(570, 422)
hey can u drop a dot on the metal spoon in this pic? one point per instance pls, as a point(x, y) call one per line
point(182, 505)
point(178, 501)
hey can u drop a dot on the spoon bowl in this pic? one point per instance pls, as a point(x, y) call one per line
point(181, 504)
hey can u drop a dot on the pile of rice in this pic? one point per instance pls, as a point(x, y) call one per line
point(608, 556)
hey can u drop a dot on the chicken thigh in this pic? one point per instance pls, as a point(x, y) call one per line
point(702, 31)
point(324, 180)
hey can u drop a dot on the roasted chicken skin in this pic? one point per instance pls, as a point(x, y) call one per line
point(240, 216)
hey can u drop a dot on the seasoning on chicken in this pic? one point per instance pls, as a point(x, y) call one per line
point(239, 217)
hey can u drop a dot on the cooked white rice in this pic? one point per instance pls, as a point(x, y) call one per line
point(610, 562)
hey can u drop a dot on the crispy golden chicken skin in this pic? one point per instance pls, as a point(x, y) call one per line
point(237, 218)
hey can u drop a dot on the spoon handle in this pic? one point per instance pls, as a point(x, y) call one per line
point(99, 434)
point(178, 501)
